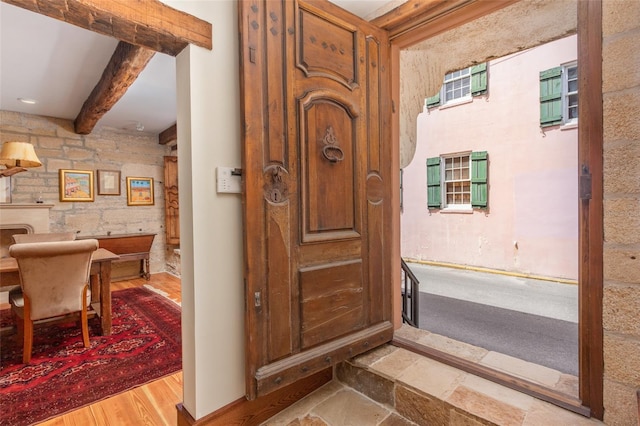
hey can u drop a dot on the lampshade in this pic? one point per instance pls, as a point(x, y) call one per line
point(19, 154)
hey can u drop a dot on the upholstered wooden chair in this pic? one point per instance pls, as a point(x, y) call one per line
point(54, 281)
point(42, 237)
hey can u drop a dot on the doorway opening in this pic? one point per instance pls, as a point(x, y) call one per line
point(490, 212)
point(441, 46)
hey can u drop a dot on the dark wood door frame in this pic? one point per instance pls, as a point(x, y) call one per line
point(590, 140)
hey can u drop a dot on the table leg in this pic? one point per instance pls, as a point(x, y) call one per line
point(105, 297)
point(94, 282)
point(147, 274)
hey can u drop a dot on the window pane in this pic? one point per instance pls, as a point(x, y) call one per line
point(457, 183)
point(573, 86)
point(573, 100)
point(572, 73)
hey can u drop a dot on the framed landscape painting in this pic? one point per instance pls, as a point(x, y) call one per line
point(76, 185)
point(139, 191)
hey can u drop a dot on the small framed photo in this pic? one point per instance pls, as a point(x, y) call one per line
point(5, 190)
point(76, 185)
point(108, 182)
point(139, 191)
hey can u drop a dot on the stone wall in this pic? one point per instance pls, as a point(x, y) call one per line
point(58, 147)
point(621, 103)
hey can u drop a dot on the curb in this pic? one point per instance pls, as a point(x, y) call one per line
point(491, 271)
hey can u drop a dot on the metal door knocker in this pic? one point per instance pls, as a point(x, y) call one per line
point(331, 151)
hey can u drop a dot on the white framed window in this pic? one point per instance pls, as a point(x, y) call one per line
point(570, 92)
point(458, 181)
point(559, 95)
point(460, 86)
point(456, 86)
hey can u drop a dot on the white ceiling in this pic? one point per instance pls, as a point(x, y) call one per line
point(58, 64)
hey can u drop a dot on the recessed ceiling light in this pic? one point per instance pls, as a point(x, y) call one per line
point(28, 101)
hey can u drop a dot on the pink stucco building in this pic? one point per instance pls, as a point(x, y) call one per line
point(514, 208)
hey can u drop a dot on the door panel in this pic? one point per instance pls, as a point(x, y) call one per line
point(316, 116)
point(328, 170)
point(334, 308)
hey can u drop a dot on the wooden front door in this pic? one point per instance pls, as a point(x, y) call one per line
point(317, 215)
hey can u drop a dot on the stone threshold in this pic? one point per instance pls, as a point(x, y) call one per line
point(428, 392)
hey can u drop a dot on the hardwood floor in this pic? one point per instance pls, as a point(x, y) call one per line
point(150, 404)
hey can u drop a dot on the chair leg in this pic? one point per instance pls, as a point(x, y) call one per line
point(83, 319)
point(27, 332)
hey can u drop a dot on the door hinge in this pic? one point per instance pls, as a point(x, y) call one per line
point(584, 186)
point(257, 302)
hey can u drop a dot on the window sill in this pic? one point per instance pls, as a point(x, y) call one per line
point(457, 102)
point(569, 126)
point(457, 211)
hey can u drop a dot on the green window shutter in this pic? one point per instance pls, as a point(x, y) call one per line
point(479, 188)
point(478, 79)
point(433, 101)
point(551, 97)
point(434, 197)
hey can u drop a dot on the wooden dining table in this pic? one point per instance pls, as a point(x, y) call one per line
point(100, 279)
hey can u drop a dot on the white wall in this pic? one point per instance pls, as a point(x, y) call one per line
point(533, 176)
point(210, 223)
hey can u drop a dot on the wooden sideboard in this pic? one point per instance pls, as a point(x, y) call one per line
point(129, 247)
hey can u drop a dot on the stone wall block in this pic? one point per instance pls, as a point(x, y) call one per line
point(74, 142)
point(622, 358)
point(621, 111)
point(55, 164)
point(10, 118)
point(14, 133)
point(620, 57)
point(48, 142)
point(622, 263)
point(120, 157)
point(621, 308)
point(78, 153)
point(421, 408)
point(66, 130)
point(34, 123)
point(45, 154)
point(84, 222)
point(620, 406)
point(619, 16)
point(101, 145)
point(622, 220)
point(374, 386)
point(622, 168)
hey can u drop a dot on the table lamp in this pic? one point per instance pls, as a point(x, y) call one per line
point(17, 157)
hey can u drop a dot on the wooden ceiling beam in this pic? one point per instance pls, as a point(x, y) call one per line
point(126, 63)
point(433, 16)
point(168, 135)
point(149, 23)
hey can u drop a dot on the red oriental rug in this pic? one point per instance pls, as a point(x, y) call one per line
point(145, 345)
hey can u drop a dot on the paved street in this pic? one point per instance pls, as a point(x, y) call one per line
point(533, 320)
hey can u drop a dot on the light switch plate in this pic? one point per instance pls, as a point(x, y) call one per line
point(227, 182)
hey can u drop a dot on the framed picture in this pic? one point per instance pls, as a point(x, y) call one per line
point(139, 191)
point(108, 182)
point(5, 189)
point(76, 185)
